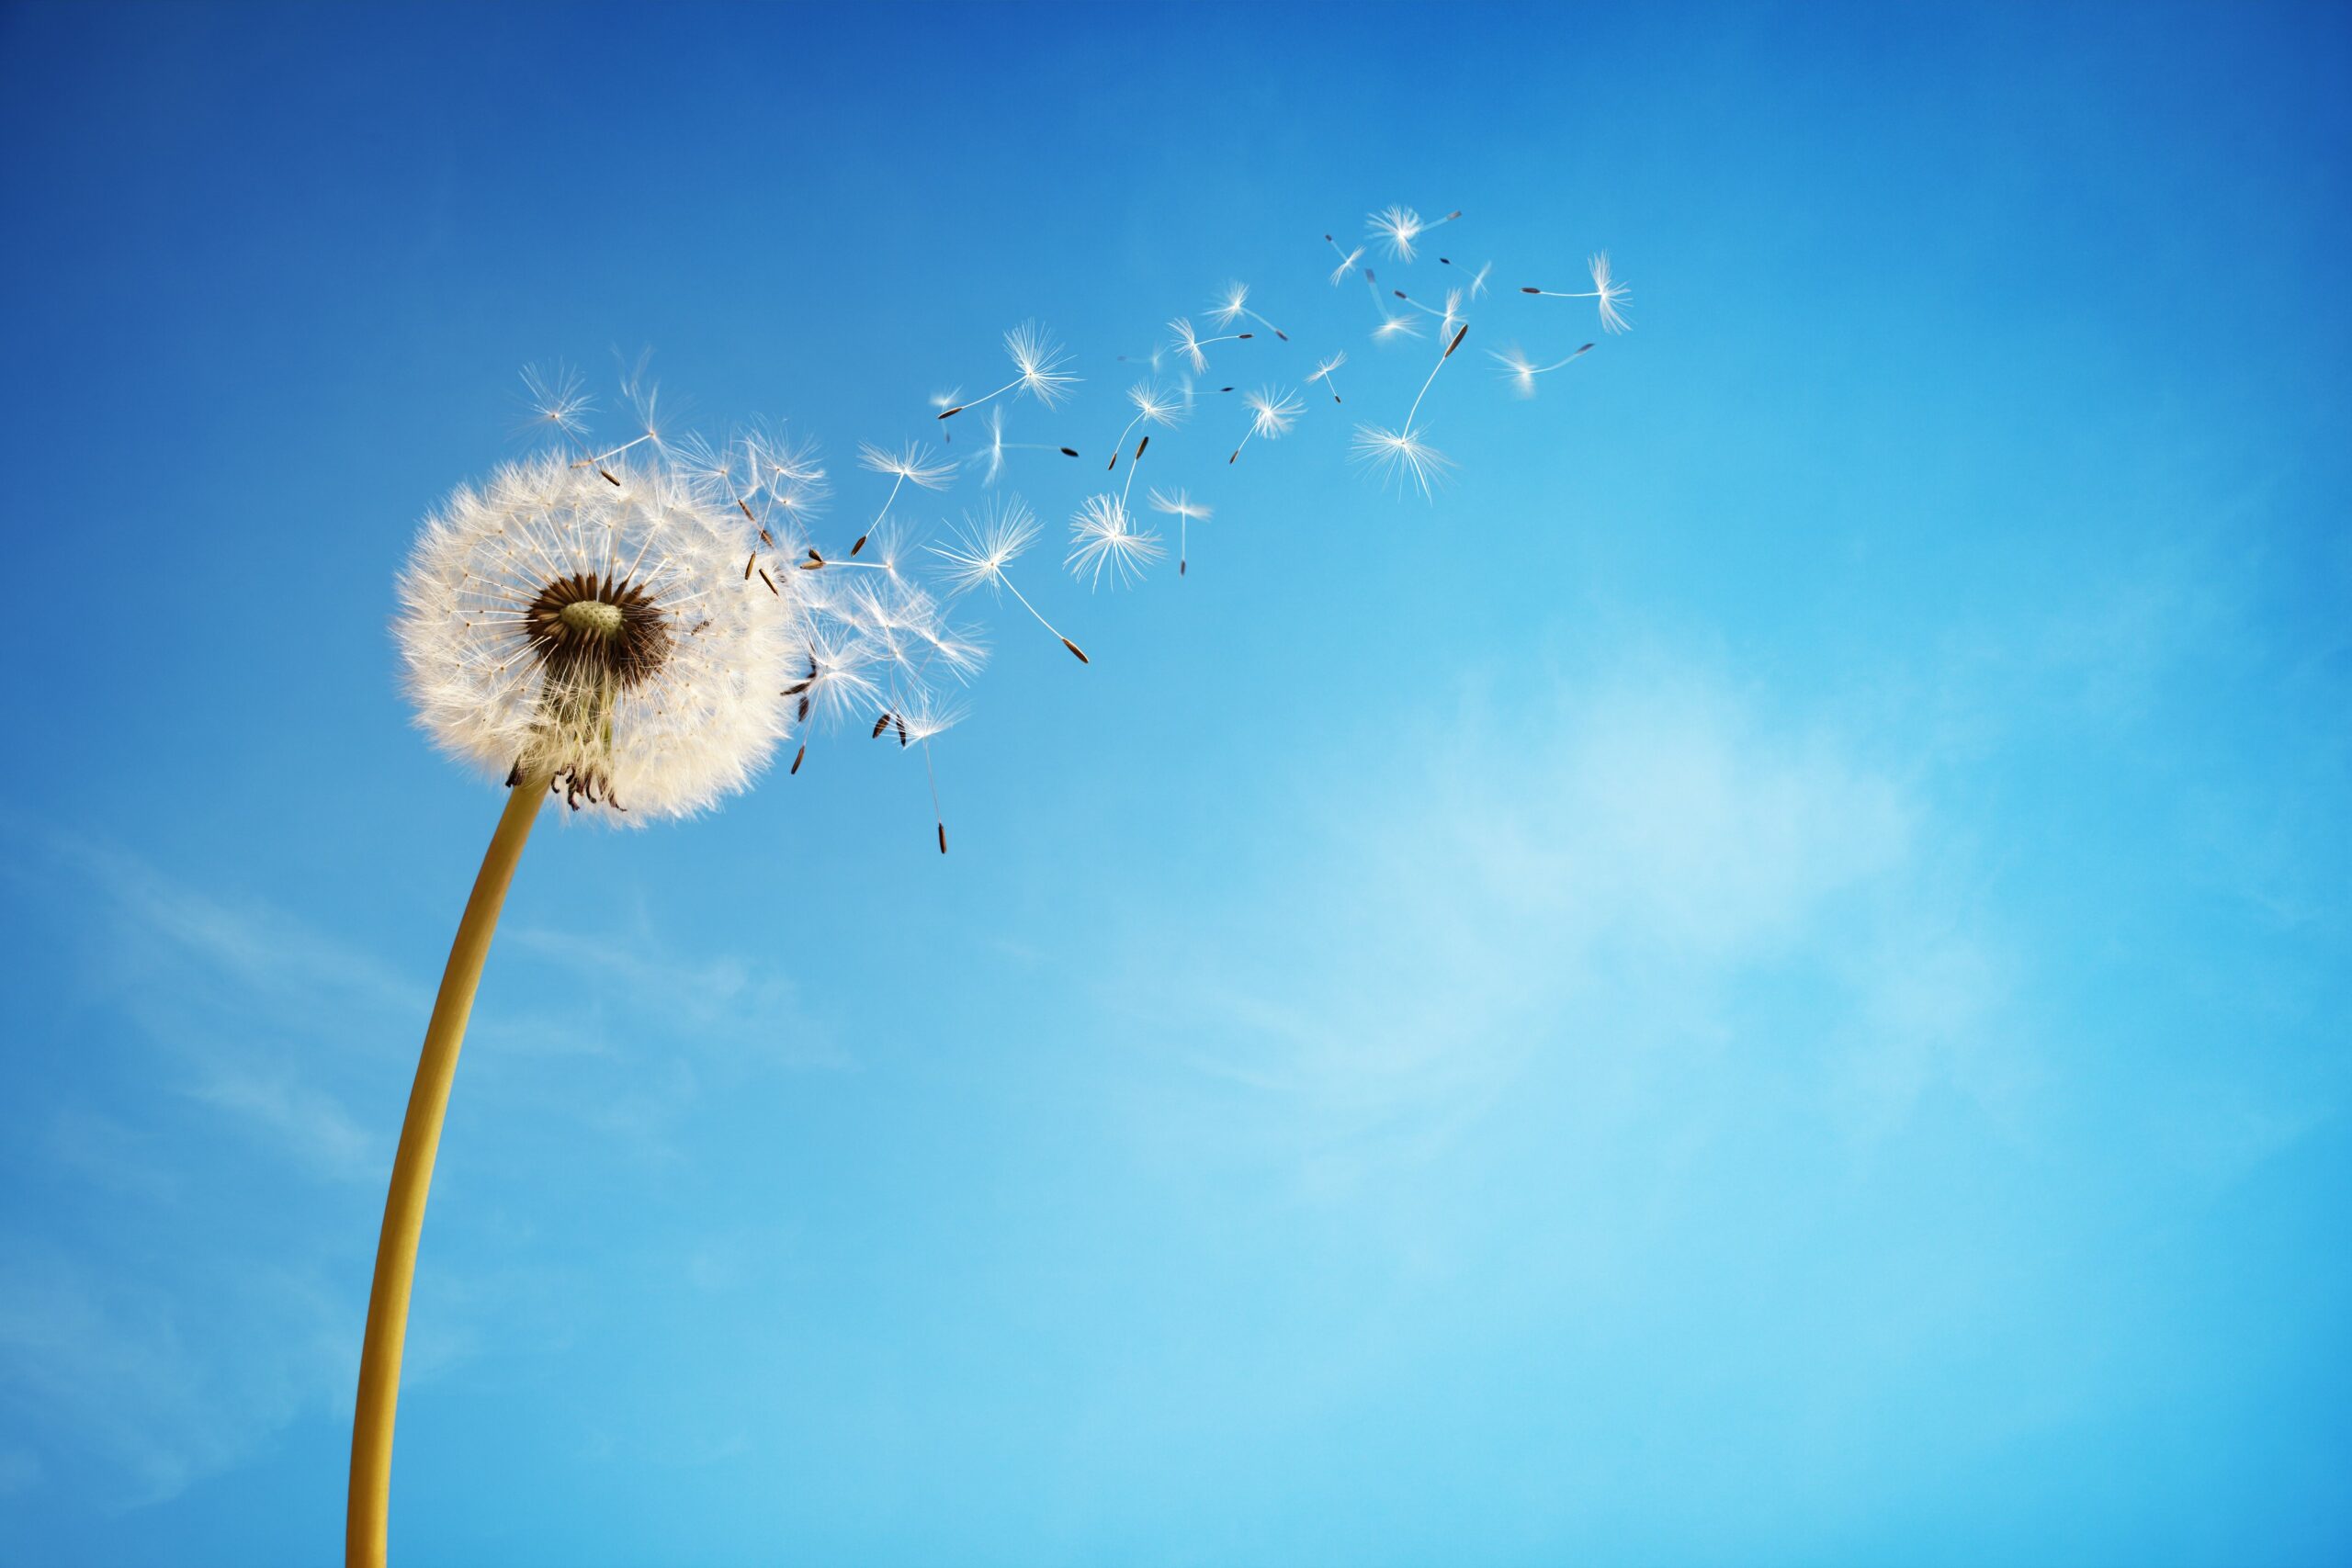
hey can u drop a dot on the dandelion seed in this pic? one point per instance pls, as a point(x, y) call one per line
point(984, 545)
point(1039, 359)
point(1396, 228)
point(1521, 371)
point(920, 717)
point(1477, 279)
point(1605, 289)
point(912, 466)
point(1104, 541)
point(1233, 306)
point(558, 399)
point(1393, 326)
point(1323, 370)
point(991, 458)
point(1348, 260)
point(942, 402)
point(1152, 406)
point(1401, 456)
point(1271, 413)
point(1191, 344)
point(1187, 511)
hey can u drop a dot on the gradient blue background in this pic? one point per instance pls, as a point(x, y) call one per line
point(1766, 981)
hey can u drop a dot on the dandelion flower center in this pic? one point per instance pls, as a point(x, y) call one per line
point(594, 615)
point(590, 628)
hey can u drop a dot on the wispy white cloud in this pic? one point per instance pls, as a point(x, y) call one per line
point(1614, 856)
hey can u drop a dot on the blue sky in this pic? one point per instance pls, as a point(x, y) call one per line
point(1763, 981)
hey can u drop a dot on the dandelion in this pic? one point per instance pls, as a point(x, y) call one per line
point(1348, 260)
point(577, 630)
point(1402, 456)
point(1521, 371)
point(984, 545)
point(1477, 279)
point(1605, 289)
point(558, 399)
point(917, 719)
point(1105, 542)
point(1323, 373)
point(991, 458)
point(911, 466)
point(1152, 406)
point(1271, 413)
point(1447, 319)
point(1187, 511)
point(1233, 306)
point(1039, 359)
point(1399, 227)
point(1191, 344)
point(1393, 326)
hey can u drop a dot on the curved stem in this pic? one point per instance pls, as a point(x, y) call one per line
point(379, 1358)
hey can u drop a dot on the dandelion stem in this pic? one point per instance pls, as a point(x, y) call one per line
point(379, 1358)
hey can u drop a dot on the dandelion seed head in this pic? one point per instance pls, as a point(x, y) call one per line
point(1104, 542)
point(553, 622)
